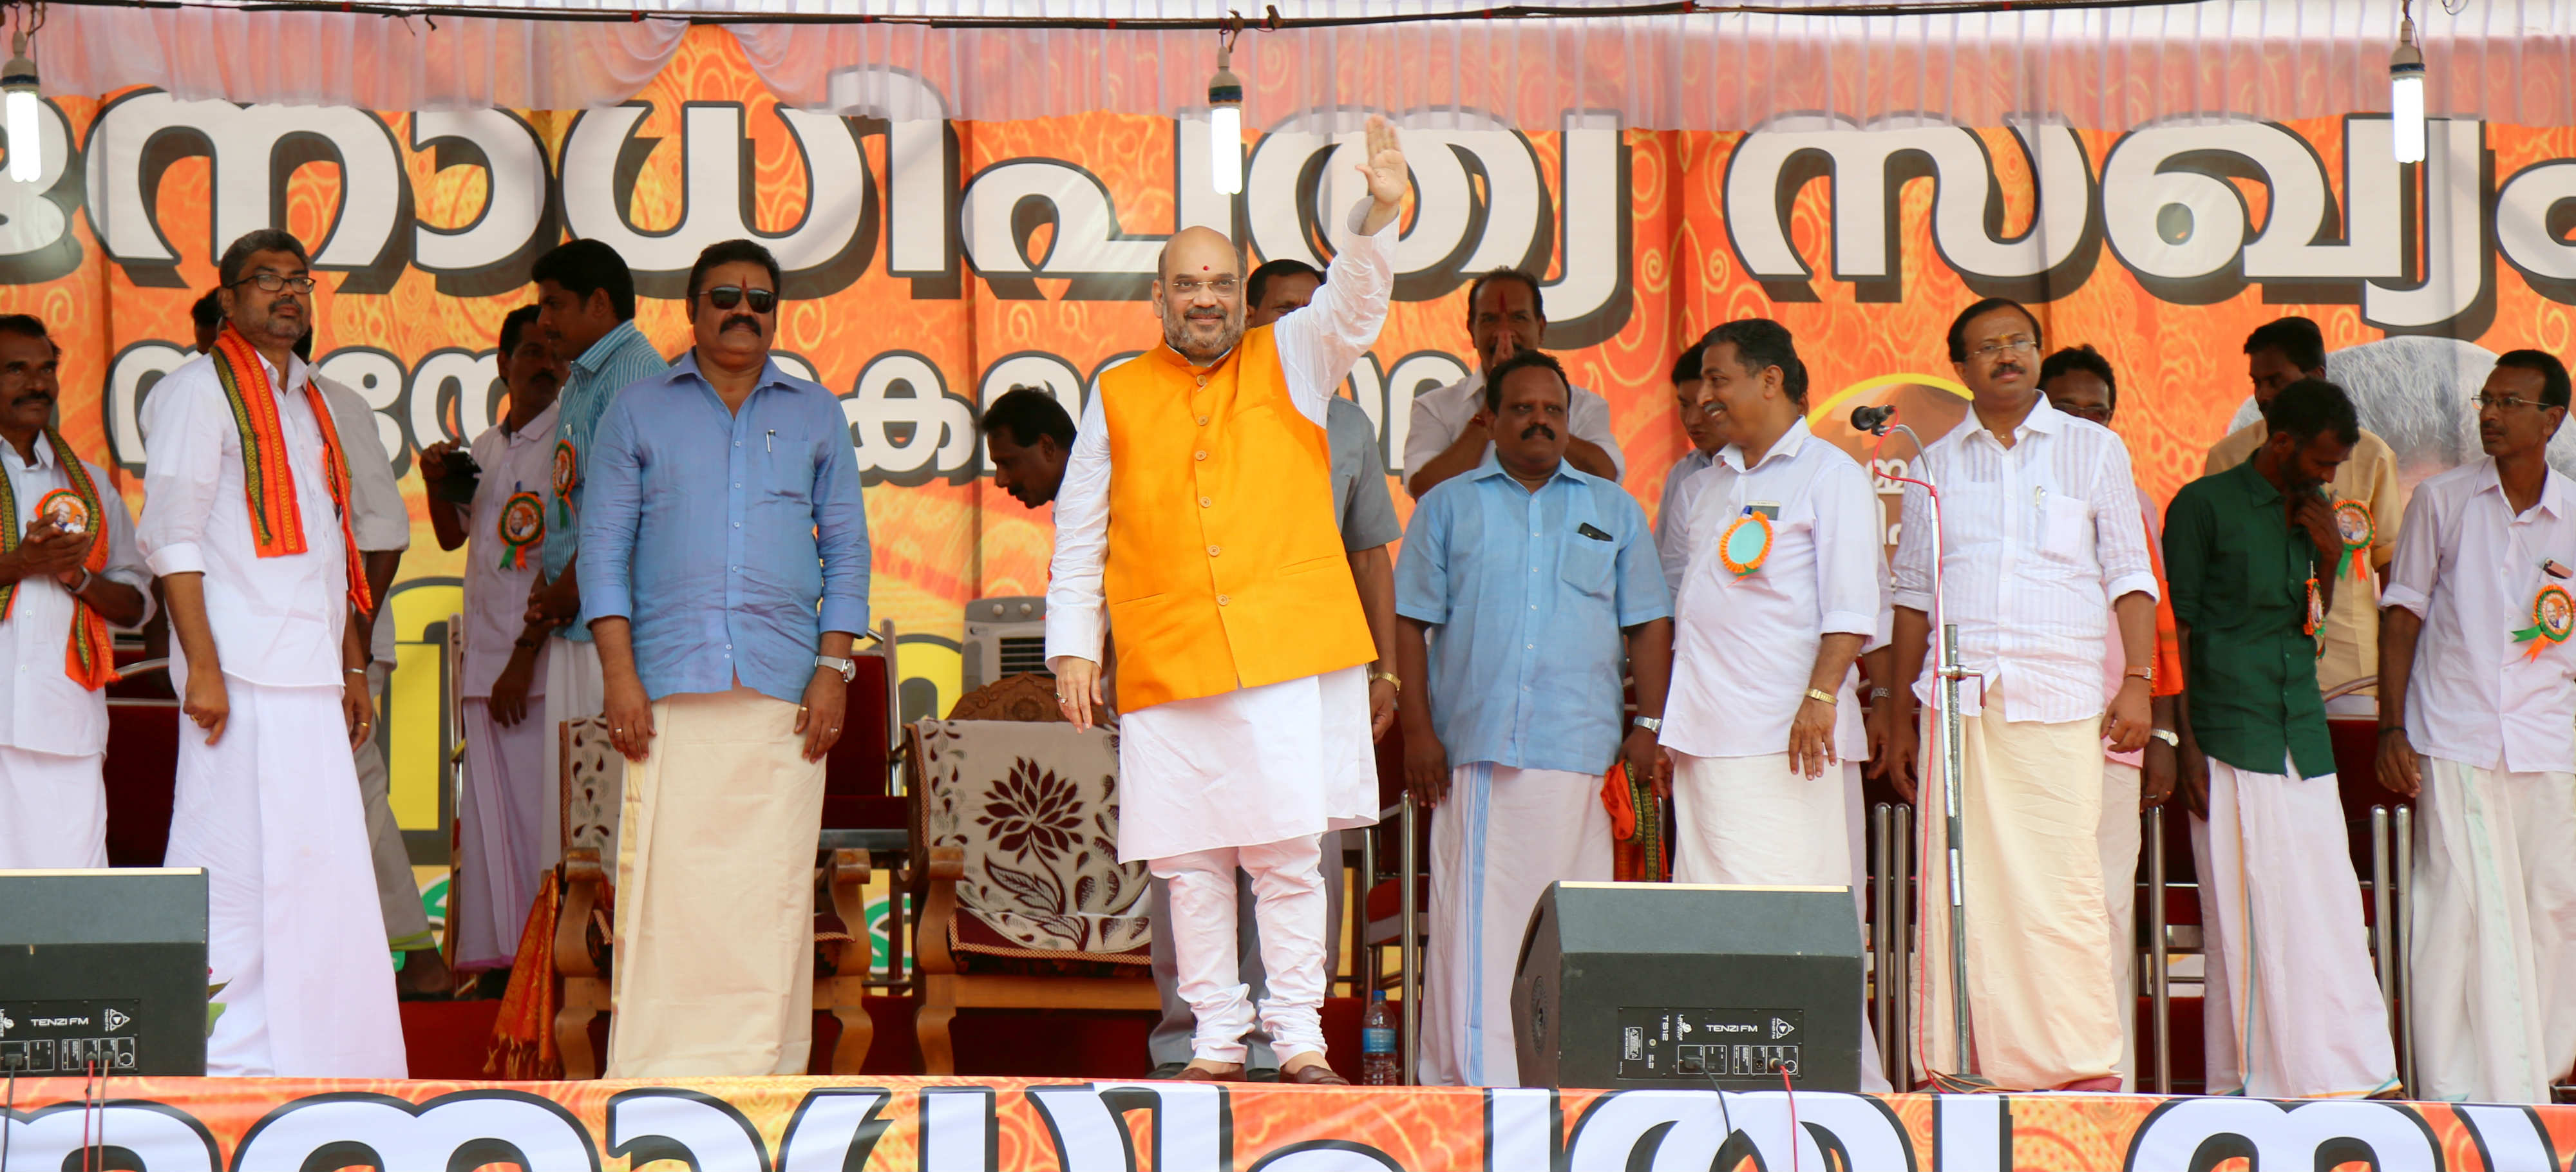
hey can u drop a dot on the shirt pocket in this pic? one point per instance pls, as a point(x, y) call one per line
point(1586, 563)
point(788, 467)
point(2066, 529)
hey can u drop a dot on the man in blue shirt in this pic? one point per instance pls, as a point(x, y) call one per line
point(724, 615)
point(1527, 573)
point(586, 311)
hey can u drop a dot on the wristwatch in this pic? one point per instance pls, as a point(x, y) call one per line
point(849, 668)
point(2147, 673)
point(2168, 736)
point(1648, 723)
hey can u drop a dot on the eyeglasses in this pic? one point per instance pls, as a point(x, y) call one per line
point(2090, 412)
point(272, 283)
point(728, 296)
point(1185, 287)
point(1993, 350)
point(2502, 402)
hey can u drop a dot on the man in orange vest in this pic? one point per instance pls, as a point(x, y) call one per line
point(1196, 517)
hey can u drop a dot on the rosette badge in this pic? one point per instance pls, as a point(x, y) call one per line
point(66, 510)
point(2355, 527)
point(522, 526)
point(1746, 544)
point(2553, 618)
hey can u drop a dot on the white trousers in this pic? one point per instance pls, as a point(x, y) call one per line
point(295, 935)
point(573, 689)
point(715, 893)
point(53, 811)
point(1288, 906)
point(2494, 956)
point(2307, 1018)
point(397, 893)
point(1497, 841)
point(2120, 838)
point(1757, 821)
point(500, 820)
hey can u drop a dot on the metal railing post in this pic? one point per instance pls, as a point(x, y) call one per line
point(2404, 897)
point(2383, 915)
point(1408, 857)
point(2160, 975)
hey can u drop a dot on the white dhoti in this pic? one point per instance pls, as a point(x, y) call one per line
point(1756, 821)
point(573, 690)
point(53, 811)
point(715, 893)
point(1497, 841)
point(2494, 958)
point(2306, 1014)
point(500, 824)
point(2039, 938)
point(294, 931)
point(1250, 779)
point(2223, 1070)
point(2120, 836)
point(397, 893)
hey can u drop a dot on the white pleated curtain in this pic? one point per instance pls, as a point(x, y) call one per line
point(2504, 60)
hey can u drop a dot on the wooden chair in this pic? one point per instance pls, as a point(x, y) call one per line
point(593, 791)
point(1024, 904)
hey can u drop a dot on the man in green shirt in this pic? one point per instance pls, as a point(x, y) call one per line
point(2250, 557)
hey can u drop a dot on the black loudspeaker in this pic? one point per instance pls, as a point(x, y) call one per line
point(1625, 985)
point(103, 970)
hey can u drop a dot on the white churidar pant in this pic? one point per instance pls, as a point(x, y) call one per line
point(53, 811)
point(2039, 938)
point(501, 821)
point(573, 689)
point(1288, 907)
point(294, 932)
point(1754, 821)
point(2494, 956)
point(2306, 1014)
point(1497, 841)
point(715, 893)
point(2120, 837)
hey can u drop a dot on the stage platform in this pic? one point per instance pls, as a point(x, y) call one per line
point(1021, 1125)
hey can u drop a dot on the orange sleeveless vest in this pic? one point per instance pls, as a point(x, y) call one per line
point(1225, 570)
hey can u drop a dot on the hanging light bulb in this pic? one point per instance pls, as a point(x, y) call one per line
point(2406, 93)
point(1225, 123)
point(26, 122)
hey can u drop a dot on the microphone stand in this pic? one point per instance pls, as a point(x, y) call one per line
point(1945, 705)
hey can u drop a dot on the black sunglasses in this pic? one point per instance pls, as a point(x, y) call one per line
point(728, 296)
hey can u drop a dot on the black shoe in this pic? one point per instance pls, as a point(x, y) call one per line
point(1167, 1071)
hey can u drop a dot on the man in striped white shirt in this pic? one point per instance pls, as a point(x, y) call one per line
point(2042, 545)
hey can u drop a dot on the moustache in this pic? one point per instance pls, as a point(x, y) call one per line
point(33, 397)
point(744, 320)
point(1538, 429)
point(2004, 368)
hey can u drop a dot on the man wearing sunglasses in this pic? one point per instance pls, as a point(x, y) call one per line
point(2043, 546)
point(586, 310)
point(2474, 719)
point(247, 519)
point(1196, 517)
point(724, 612)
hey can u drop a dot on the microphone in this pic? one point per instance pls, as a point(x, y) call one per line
point(1871, 419)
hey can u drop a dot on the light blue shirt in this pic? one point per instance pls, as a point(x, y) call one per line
point(755, 543)
point(1525, 660)
point(620, 356)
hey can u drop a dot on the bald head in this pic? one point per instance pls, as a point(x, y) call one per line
point(1198, 292)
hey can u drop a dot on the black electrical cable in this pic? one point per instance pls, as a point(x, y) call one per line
point(1272, 23)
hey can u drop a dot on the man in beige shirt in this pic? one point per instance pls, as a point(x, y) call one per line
point(2276, 355)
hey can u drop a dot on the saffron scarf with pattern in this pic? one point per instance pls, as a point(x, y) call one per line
point(88, 657)
point(276, 528)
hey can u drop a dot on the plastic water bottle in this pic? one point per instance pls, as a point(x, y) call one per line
point(1377, 1043)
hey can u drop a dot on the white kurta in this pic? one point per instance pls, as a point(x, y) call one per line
point(53, 732)
point(272, 810)
point(1256, 765)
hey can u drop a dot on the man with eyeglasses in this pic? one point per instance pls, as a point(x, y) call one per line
point(2475, 727)
point(2043, 546)
point(724, 614)
point(1196, 517)
point(246, 518)
point(2365, 490)
point(2250, 553)
point(586, 311)
point(2079, 382)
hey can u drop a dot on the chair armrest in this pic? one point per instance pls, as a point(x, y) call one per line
point(946, 866)
point(584, 883)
